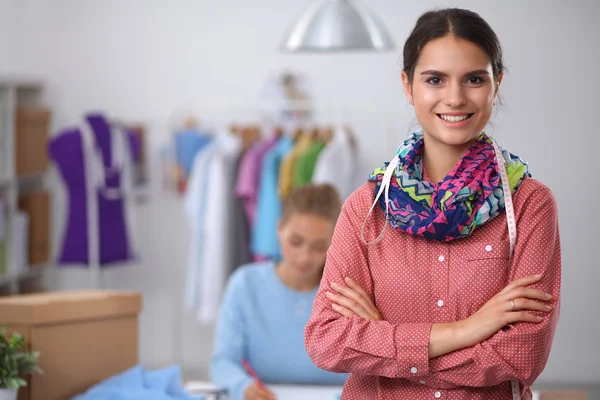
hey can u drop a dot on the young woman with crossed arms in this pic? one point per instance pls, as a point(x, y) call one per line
point(443, 276)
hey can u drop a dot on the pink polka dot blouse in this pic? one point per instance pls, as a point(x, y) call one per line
point(415, 283)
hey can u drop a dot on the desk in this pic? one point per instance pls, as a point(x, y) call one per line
point(283, 392)
point(303, 392)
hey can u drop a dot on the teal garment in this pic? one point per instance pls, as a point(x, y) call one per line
point(264, 241)
point(262, 321)
point(306, 163)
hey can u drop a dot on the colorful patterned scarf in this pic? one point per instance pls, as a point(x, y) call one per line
point(468, 197)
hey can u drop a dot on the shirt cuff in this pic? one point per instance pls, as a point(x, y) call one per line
point(412, 349)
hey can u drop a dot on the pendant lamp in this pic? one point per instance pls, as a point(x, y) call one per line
point(337, 26)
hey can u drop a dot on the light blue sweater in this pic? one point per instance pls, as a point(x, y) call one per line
point(262, 321)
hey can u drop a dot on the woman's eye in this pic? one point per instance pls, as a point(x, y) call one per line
point(434, 80)
point(475, 80)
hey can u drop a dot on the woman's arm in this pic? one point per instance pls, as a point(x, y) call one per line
point(341, 344)
point(230, 342)
point(463, 353)
point(350, 300)
point(521, 351)
point(353, 302)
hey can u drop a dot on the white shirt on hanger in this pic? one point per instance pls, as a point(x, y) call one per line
point(337, 164)
point(195, 210)
point(207, 206)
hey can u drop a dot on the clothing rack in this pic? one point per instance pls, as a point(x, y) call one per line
point(225, 112)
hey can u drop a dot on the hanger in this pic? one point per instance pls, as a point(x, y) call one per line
point(297, 133)
point(235, 129)
point(314, 133)
point(277, 131)
point(351, 136)
point(249, 134)
point(190, 122)
point(255, 133)
point(326, 134)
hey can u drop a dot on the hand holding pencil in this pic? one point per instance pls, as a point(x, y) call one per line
point(256, 390)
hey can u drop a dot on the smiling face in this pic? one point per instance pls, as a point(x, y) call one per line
point(453, 90)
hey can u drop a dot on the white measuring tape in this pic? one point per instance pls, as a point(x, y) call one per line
point(512, 232)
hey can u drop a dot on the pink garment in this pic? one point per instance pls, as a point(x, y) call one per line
point(248, 177)
point(415, 283)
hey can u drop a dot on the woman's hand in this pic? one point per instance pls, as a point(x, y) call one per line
point(507, 307)
point(352, 301)
point(255, 392)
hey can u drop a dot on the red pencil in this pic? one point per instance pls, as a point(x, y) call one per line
point(251, 372)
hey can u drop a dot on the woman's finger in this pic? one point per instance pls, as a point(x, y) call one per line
point(522, 316)
point(351, 294)
point(367, 299)
point(356, 287)
point(254, 393)
point(262, 394)
point(527, 304)
point(526, 281)
point(527, 293)
point(270, 395)
point(344, 311)
point(350, 304)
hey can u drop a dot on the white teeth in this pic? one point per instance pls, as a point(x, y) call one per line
point(451, 118)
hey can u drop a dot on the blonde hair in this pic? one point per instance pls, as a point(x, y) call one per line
point(318, 199)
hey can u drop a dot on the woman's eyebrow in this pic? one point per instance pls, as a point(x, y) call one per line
point(440, 73)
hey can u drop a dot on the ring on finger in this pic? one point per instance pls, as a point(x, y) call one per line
point(512, 302)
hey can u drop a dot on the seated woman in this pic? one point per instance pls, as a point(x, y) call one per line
point(266, 305)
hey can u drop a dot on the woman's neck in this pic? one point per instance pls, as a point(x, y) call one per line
point(300, 285)
point(439, 158)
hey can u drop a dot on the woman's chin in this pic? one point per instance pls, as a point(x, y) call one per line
point(455, 137)
point(302, 271)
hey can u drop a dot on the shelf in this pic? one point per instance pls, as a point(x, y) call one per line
point(5, 280)
point(22, 180)
point(6, 183)
point(21, 82)
point(31, 177)
point(19, 91)
point(34, 272)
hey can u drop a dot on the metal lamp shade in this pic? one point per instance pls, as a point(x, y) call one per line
point(335, 26)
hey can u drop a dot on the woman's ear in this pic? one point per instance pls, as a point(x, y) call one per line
point(407, 87)
point(500, 76)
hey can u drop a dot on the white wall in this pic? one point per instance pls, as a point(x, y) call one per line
point(138, 59)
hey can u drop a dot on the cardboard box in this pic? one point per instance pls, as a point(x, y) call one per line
point(37, 206)
point(83, 337)
point(31, 140)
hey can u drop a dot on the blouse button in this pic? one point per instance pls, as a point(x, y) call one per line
point(441, 258)
point(488, 248)
point(440, 303)
point(437, 395)
point(422, 382)
point(413, 370)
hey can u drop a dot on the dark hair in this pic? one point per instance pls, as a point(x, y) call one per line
point(319, 199)
point(462, 24)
